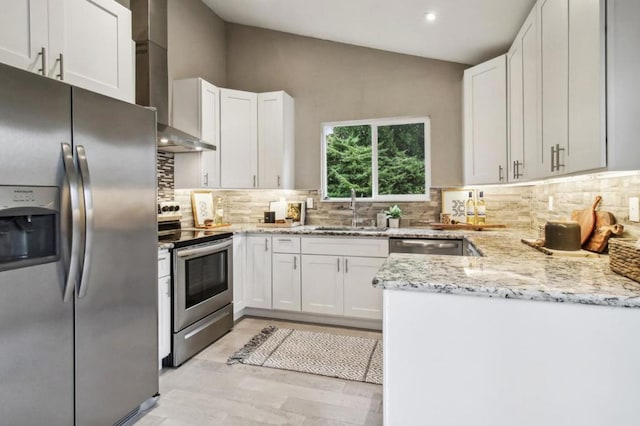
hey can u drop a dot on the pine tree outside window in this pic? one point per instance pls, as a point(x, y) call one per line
point(382, 159)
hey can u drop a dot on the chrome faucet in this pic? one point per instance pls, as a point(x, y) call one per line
point(352, 206)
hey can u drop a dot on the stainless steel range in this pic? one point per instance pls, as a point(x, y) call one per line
point(202, 283)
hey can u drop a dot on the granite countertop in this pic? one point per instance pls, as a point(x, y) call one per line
point(507, 269)
point(510, 269)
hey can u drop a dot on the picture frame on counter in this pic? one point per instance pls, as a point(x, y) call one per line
point(453, 202)
point(202, 207)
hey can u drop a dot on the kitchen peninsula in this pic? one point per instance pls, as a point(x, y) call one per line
point(562, 351)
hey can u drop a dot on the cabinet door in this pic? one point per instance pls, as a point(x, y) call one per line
point(23, 34)
point(587, 144)
point(485, 122)
point(286, 281)
point(164, 318)
point(210, 132)
point(515, 106)
point(258, 278)
point(553, 18)
point(530, 84)
point(270, 139)
point(238, 139)
point(361, 299)
point(239, 270)
point(322, 284)
point(90, 46)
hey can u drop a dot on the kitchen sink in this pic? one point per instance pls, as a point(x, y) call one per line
point(350, 228)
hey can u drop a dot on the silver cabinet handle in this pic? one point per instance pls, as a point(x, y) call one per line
point(516, 169)
point(72, 178)
point(206, 179)
point(88, 219)
point(266, 244)
point(61, 61)
point(160, 259)
point(284, 239)
point(295, 262)
point(553, 155)
point(278, 181)
point(346, 266)
point(558, 149)
point(43, 61)
point(254, 181)
point(338, 262)
point(500, 177)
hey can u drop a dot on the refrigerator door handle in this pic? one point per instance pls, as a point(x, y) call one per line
point(83, 165)
point(72, 178)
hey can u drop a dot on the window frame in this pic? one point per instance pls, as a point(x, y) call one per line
point(375, 123)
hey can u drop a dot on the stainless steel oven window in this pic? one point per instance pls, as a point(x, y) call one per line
point(206, 277)
point(200, 289)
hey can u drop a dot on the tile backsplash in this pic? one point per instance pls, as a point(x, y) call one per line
point(165, 166)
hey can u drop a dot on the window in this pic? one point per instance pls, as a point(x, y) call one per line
point(383, 159)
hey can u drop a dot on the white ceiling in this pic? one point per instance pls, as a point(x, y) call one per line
point(465, 31)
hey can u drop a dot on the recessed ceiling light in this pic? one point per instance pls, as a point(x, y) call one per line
point(164, 140)
point(430, 16)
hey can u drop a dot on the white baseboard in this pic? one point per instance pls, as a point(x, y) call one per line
point(368, 324)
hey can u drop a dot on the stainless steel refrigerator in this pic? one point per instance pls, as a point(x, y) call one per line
point(78, 254)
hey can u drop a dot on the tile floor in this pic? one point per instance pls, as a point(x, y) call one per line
point(207, 391)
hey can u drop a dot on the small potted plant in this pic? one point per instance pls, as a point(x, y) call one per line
point(394, 214)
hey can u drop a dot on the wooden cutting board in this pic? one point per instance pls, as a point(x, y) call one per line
point(539, 245)
point(587, 219)
point(600, 238)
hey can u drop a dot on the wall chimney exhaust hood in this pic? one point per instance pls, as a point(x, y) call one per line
point(152, 79)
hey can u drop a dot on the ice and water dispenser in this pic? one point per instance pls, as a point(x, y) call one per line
point(29, 226)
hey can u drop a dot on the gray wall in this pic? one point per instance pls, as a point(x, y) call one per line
point(334, 81)
point(196, 43)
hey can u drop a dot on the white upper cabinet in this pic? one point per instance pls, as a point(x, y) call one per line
point(238, 139)
point(553, 17)
point(276, 153)
point(522, 93)
point(485, 122)
point(587, 122)
point(573, 85)
point(196, 110)
point(86, 43)
point(90, 46)
point(24, 34)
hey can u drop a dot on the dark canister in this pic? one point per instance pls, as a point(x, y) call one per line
point(269, 217)
point(562, 235)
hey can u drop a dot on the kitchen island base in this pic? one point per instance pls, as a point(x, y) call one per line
point(469, 360)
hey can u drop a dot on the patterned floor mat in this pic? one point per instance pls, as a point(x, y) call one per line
point(325, 354)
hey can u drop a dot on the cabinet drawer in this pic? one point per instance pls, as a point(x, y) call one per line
point(286, 244)
point(164, 263)
point(348, 246)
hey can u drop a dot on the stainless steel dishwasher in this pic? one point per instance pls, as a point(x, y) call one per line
point(452, 247)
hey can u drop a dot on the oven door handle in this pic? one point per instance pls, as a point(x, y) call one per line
point(202, 251)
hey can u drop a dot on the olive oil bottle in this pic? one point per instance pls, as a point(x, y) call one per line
point(470, 207)
point(481, 209)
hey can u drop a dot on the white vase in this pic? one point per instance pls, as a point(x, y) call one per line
point(394, 222)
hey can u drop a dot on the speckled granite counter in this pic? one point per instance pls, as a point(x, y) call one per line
point(510, 269)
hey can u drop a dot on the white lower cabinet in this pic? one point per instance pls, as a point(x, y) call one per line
point(164, 305)
point(258, 277)
point(361, 299)
point(286, 281)
point(322, 284)
point(315, 275)
point(239, 269)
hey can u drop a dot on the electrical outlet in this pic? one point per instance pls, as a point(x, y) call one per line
point(634, 209)
point(309, 203)
point(550, 206)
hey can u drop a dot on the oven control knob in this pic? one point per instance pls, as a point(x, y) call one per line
point(177, 207)
point(166, 208)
